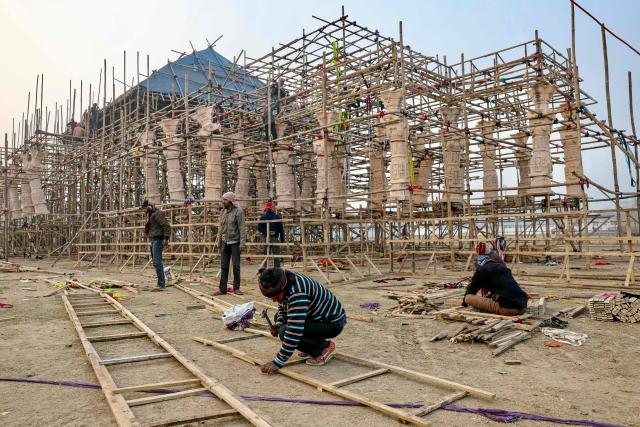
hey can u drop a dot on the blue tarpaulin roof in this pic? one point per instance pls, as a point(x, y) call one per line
point(226, 77)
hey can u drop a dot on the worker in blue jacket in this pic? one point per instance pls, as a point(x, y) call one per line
point(275, 231)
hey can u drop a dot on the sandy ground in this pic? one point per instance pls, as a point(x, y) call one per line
point(598, 381)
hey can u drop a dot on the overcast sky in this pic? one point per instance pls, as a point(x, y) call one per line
point(68, 40)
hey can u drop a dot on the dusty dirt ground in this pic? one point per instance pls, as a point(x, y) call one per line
point(598, 381)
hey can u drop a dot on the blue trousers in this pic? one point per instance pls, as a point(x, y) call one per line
point(156, 256)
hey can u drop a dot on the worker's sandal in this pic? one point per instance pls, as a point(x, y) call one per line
point(326, 355)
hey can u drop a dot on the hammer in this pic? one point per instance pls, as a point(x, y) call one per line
point(264, 314)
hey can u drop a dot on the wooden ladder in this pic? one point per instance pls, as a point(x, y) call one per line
point(377, 369)
point(99, 312)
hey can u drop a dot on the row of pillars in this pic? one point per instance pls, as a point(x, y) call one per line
point(534, 166)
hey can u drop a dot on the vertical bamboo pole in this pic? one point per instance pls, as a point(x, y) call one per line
point(616, 186)
point(7, 209)
point(635, 146)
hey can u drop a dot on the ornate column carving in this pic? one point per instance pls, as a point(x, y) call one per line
point(171, 144)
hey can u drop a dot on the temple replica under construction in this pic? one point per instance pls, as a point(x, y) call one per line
point(393, 170)
point(379, 157)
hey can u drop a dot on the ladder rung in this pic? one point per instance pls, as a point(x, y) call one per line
point(169, 396)
point(96, 313)
point(106, 323)
point(93, 304)
point(117, 336)
point(195, 419)
point(447, 400)
point(155, 385)
point(360, 377)
point(130, 359)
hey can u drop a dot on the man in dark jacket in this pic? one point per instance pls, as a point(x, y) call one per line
point(503, 295)
point(272, 231)
point(231, 241)
point(158, 230)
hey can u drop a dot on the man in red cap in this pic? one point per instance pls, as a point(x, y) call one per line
point(271, 229)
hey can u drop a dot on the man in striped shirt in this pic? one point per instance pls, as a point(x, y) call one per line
point(308, 315)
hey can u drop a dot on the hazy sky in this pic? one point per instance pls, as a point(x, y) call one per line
point(68, 40)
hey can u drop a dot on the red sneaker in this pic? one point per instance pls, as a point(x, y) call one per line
point(326, 355)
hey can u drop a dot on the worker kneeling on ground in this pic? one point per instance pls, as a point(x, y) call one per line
point(308, 315)
point(501, 293)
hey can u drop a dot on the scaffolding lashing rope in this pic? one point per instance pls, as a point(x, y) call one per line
point(628, 153)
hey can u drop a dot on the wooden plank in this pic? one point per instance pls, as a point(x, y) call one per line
point(629, 276)
point(356, 378)
point(167, 396)
point(240, 338)
point(132, 359)
point(156, 385)
point(447, 400)
point(114, 337)
point(121, 411)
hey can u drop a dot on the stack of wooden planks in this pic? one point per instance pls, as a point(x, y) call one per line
point(601, 306)
point(536, 307)
point(627, 309)
point(416, 303)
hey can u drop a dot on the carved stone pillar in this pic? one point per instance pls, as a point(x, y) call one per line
point(397, 130)
point(378, 178)
point(35, 182)
point(308, 178)
point(245, 161)
point(452, 154)
point(150, 167)
point(202, 115)
point(570, 139)
point(540, 127)
point(424, 170)
point(171, 145)
point(213, 169)
point(328, 161)
point(262, 178)
point(14, 201)
point(488, 154)
point(25, 187)
point(523, 162)
point(285, 182)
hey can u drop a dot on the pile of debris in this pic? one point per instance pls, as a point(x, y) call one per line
point(499, 332)
point(110, 285)
point(9, 267)
point(417, 303)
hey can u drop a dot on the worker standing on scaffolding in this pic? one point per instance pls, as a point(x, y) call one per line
point(232, 238)
point(273, 233)
point(158, 230)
